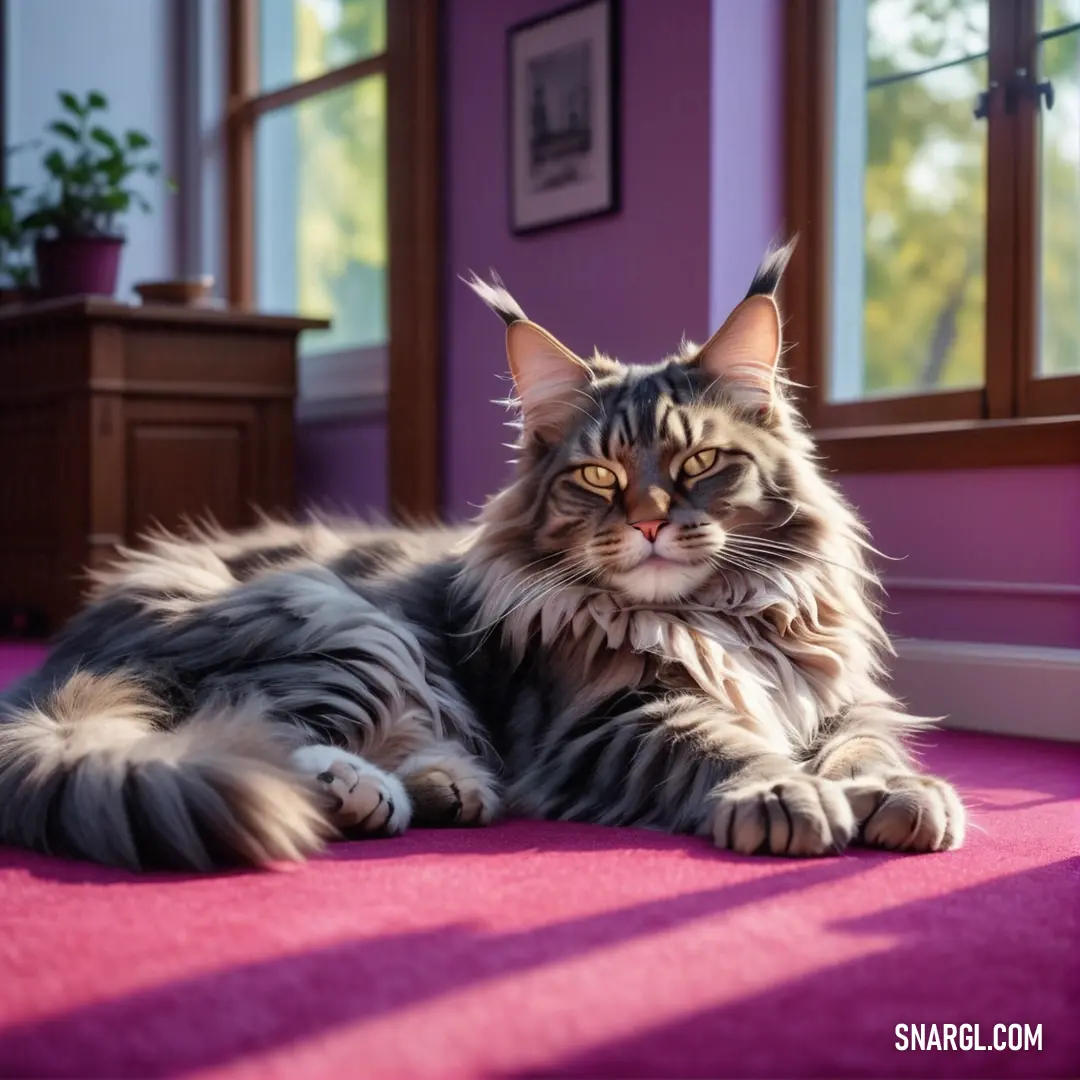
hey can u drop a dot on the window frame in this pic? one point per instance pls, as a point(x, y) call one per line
point(411, 64)
point(1016, 417)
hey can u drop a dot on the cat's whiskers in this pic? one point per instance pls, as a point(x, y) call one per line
point(725, 559)
point(576, 574)
point(537, 587)
point(549, 582)
point(761, 544)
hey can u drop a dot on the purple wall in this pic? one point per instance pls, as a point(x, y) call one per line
point(981, 535)
point(631, 284)
point(745, 178)
point(342, 466)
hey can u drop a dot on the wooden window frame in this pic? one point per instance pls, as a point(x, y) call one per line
point(1016, 418)
point(412, 66)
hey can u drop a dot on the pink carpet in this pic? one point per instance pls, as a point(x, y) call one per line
point(557, 950)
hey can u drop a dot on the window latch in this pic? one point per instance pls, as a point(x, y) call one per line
point(982, 102)
point(1023, 85)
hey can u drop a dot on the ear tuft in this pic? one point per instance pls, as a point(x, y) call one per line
point(497, 297)
point(767, 278)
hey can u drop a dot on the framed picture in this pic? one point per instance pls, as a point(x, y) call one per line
point(563, 80)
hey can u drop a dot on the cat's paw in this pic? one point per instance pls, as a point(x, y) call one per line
point(797, 815)
point(359, 798)
point(906, 811)
point(448, 789)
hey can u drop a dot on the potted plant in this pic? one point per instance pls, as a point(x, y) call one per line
point(16, 271)
point(76, 220)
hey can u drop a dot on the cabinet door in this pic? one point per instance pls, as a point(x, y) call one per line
point(190, 460)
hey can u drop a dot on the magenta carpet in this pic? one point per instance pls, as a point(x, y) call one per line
point(531, 950)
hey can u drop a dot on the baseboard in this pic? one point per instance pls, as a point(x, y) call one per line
point(1003, 689)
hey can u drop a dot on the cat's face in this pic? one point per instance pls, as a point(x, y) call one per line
point(650, 481)
point(661, 485)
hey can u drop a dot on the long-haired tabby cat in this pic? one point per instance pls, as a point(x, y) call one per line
point(664, 620)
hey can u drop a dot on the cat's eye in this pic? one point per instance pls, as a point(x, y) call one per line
point(699, 463)
point(596, 476)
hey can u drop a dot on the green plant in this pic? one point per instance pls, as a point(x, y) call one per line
point(15, 267)
point(90, 172)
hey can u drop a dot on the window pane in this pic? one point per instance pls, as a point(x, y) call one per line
point(1060, 200)
point(909, 198)
point(321, 229)
point(1056, 14)
point(300, 39)
point(909, 35)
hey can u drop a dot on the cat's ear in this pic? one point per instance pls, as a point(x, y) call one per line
point(744, 352)
point(550, 379)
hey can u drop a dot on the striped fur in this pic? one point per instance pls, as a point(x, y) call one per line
point(724, 678)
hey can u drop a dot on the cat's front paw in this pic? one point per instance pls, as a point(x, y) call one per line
point(358, 797)
point(796, 815)
point(449, 789)
point(905, 811)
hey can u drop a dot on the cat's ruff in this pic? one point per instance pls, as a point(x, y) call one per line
point(665, 619)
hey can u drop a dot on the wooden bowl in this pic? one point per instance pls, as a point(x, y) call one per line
point(187, 291)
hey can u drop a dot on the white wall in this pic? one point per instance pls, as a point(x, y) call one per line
point(131, 51)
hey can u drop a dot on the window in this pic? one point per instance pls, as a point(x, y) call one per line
point(933, 170)
point(332, 154)
point(320, 170)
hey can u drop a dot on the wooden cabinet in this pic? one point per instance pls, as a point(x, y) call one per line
point(114, 417)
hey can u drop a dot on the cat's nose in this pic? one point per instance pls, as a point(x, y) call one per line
point(650, 529)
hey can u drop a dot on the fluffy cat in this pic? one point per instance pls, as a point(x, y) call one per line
point(665, 620)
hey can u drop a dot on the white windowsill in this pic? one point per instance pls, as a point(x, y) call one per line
point(347, 385)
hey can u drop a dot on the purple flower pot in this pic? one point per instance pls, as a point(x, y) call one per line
point(74, 265)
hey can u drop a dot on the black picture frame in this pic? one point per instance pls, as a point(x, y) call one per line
point(579, 177)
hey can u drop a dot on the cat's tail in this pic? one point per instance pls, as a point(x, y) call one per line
point(91, 771)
